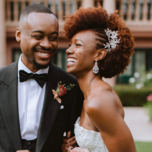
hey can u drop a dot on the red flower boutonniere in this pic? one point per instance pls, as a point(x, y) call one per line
point(61, 90)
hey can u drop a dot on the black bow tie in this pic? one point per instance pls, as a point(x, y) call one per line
point(40, 78)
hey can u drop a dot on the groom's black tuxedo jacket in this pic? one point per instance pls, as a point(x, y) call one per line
point(54, 121)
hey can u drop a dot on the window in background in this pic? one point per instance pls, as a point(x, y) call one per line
point(124, 78)
point(60, 59)
point(16, 52)
point(141, 59)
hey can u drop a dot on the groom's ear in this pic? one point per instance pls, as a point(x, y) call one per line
point(18, 34)
point(100, 54)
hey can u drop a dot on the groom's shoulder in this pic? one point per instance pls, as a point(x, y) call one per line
point(7, 69)
point(65, 75)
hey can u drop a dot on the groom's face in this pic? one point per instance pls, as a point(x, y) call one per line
point(38, 37)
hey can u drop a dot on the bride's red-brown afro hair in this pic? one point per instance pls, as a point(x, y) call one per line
point(97, 20)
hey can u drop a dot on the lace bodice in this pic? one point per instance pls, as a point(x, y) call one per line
point(89, 139)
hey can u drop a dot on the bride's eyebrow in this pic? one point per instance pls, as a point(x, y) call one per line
point(79, 40)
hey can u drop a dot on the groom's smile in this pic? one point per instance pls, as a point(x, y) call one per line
point(44, 53)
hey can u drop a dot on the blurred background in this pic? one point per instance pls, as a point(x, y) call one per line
point(134, 86)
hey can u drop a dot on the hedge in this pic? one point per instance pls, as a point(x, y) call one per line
point(130, 96)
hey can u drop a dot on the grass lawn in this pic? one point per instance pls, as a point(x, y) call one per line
point(143, 146)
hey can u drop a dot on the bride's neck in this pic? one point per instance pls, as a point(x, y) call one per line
point(86, 82)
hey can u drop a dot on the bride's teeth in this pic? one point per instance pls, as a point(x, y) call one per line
point(44, 54)
point(71, 60)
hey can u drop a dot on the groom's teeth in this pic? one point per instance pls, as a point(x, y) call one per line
point(71, 60)
point(43, 54)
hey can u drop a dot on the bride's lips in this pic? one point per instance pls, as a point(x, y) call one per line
point(71, 61)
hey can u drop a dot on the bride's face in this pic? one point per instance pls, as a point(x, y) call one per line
point(81, 53)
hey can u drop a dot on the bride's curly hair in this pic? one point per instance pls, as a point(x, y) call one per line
point(97, 20)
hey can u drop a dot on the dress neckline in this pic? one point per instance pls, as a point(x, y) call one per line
point(78, 123)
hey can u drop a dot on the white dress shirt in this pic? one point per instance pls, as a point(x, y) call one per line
point(30, 103)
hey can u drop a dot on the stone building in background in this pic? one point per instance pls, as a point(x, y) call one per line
point(136, 13)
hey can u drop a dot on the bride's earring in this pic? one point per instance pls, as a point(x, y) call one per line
point(95, 68)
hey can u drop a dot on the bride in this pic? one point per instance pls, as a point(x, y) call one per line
point(101, 46)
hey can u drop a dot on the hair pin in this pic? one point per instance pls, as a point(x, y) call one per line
point(112, 40)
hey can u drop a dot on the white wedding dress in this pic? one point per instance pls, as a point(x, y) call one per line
point(89, 139)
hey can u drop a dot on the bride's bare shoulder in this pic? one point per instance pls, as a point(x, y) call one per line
point(100, 92)
point(103, 100)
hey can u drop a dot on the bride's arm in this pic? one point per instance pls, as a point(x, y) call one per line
point(105, 116)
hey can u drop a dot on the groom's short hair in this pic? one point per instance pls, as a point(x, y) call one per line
point(37, 8)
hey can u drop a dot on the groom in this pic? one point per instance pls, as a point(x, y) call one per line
point(32, 116)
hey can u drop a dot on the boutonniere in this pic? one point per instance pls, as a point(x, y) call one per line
point(61, 90)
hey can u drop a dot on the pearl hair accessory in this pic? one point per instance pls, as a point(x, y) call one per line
point(112, 40)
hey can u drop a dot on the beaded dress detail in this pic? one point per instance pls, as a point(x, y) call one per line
point(89, 139)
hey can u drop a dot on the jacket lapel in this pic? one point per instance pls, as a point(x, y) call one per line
point(9, 104)
point(50, 108)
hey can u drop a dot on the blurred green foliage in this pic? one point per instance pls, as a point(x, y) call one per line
point(143, 146)
point(141, 78)
point(130, 96)
point(148, 106)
